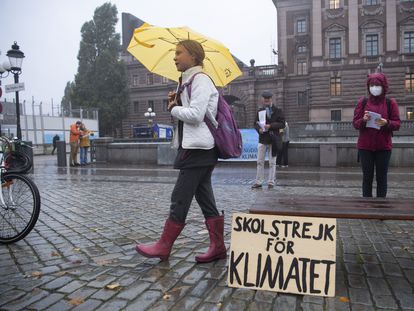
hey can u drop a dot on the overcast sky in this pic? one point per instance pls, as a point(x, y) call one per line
point(48, 32)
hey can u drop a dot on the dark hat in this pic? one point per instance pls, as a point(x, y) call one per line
point(267, 94)
point(78, 122)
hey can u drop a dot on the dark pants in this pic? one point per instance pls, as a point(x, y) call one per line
point(193, 182)
point(378, 160)
point(282, 155)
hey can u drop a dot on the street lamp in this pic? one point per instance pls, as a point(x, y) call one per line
point(149, 114)
point(14, 65)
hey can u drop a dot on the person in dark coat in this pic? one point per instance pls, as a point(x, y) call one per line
point(375, 144)
point(270, 139)
point(54, 142)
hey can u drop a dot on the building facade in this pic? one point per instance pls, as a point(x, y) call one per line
point(326, 49)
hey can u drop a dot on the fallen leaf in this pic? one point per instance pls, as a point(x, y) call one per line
point(166, 297)
point(219, 304)
point(37, 274)
point(103, 262)
point(76, 249)
point(61, 273)
point(76, 301)
point(76, 261)
point(343, 299)
point(94, 229)
point(406, 248)
point(55, 254)
point(113, 286)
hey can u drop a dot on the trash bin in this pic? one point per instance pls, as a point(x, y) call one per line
point(26, 148)
point(61, 153)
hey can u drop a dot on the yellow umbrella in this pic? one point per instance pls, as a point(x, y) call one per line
point(155, 47)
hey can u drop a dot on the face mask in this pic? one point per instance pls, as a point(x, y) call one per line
point(375, 90)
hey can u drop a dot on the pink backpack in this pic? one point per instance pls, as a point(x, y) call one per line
point(227, 136)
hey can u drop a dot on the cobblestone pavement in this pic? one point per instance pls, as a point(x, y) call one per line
point(92, 217)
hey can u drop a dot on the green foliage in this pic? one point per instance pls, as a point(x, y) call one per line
point(101, 80)
point(65, 104)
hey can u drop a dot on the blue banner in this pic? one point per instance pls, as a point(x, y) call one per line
point(250, 140)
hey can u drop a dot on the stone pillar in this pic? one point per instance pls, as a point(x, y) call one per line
point(353, 37)
point(327, 155)
point(282, 41)
point(101, 148)
point(317, 29)
point(391, 25)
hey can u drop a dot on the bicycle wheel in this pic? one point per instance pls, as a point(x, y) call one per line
point(17, 162)
point(19, 207)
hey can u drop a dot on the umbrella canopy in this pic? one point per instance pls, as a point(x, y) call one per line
point(155, 47)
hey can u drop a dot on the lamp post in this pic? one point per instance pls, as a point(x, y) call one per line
point(14, 65)
point(150, 115)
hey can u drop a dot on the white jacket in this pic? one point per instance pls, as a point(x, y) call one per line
point(204, 98)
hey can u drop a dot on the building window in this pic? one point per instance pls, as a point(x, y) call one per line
point(371, 2)
point(136, 106)
point(334, 4)
point(335, 86)
point(150, 79)
point(336, 115)
point(302, 98)
point(410, 113)
point(151, 105)
point(302, 49)
point(135, 80)
point(409, 42)
point(335, 48)
point(371, 45)
point(301, 26)
point(409, 82)
point(165, 80)
point(302, 68)
point(165, 105)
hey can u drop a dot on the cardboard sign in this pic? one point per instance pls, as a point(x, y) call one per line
point(283, 254)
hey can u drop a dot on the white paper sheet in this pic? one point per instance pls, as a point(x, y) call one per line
point(262, 119)
point(371, 122)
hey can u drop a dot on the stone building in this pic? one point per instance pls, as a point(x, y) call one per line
point(326, 48)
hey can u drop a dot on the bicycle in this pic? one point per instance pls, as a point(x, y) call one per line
point(19, 195)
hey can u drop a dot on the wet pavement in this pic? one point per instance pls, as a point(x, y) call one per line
point(80, 255)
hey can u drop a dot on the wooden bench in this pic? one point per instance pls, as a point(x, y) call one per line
point(334, 207)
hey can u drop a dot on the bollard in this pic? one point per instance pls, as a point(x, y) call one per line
point(26, 148)
point(61, 153)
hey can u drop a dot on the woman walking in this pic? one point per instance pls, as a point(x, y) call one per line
point(196, 156)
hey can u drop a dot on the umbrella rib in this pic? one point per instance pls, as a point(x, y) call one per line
point(169, 30)
point(214, 68)
point(161, 58)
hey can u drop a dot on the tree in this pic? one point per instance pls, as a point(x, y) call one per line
point(66, 99)
point(101, 80)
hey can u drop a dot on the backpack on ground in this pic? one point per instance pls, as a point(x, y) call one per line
point(227, 136)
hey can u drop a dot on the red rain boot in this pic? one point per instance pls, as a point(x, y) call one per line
point(162, 248)
point(217, 250)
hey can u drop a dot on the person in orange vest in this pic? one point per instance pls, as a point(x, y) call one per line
point(74, 143)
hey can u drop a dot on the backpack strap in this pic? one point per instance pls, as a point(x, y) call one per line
point(388, 106)
point(208, 118)
point(364, 103)
point(188, 84)
point(365, 100)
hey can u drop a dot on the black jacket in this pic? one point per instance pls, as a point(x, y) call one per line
point(272, 137)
